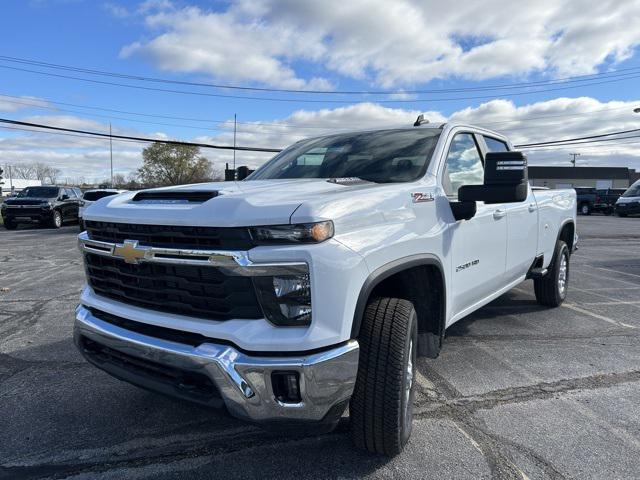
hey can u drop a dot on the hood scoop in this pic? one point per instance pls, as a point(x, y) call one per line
point(174, 196)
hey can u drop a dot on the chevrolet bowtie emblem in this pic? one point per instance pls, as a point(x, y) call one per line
point(130, 252)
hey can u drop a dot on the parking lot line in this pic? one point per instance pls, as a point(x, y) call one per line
point(618, 271)
point(582, 272)
point(596, 315)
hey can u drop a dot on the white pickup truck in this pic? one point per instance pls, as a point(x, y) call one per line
point(313, 284)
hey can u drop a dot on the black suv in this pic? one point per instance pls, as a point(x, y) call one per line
point(47, 205)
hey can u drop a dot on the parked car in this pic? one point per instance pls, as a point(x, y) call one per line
point(47, 205)
point(629, 202)
point(316, 282)
point(91, 196)
point(591, 200)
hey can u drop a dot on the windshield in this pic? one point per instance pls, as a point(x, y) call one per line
point(633, 190)
point(383, 157)
point(39, 192)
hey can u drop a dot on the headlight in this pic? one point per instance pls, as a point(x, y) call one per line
point(45, 205)
point(285, 299)
point(82, 203)
point(299, 233)
point(3, 206)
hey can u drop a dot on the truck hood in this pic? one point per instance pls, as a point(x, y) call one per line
point(28, 200)
point(246, 203)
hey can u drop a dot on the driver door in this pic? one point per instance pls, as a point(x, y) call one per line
point(478, 245)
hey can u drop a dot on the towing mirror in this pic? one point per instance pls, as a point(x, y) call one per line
point(505, 180)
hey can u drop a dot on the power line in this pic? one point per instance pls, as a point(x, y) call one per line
point(589, 137)
point(140, 139)
point(564, 80)
point(257, 124)
point(306, 100)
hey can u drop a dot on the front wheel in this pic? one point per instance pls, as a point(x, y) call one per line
point(585, 209)
point(551, 290)
point(10, 225)
point(381, 407)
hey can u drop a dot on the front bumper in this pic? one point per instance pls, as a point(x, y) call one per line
point(628, 208)
point(217, 374)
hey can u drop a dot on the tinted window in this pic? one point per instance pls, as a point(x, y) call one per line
point(93, 196)
point(39, 192)
point(495, 145)
point(633, 190)
point(463, 165)
point(382, 156)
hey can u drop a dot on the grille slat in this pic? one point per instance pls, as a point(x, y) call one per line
point(172, 236)
point(198, 291)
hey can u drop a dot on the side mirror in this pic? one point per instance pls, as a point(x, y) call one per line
point(64, 197)
point(505, 180)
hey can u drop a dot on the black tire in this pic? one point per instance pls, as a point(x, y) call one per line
point(622, 215)
point(381, 407)
point(10, 225)
point(585, 209)
point(56, 219)
point(549, 290)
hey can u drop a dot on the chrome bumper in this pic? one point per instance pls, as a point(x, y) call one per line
point(244, 382)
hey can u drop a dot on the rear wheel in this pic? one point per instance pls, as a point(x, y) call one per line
point(551, 290)
point(56, 219)
point(381, 407)
point(585, 209)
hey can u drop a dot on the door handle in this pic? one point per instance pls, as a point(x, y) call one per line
point(499, 213)
point(532, 207)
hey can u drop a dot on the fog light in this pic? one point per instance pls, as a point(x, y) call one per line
point(286, 386)
point(285, 299)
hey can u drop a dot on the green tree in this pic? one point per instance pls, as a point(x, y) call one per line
point(165, 164)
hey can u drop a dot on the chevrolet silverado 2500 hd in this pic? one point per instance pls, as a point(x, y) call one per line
point(313, 284)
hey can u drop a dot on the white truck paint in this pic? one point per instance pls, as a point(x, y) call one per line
point(378, 228)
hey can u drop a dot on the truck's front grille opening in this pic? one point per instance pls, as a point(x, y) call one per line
point(163, 333)
point(192, 290)
point(185, 382)
point(172, 236)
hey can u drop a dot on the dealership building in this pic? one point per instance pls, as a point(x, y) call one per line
point(568, 177)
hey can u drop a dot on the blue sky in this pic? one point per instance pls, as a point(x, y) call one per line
point(314, 45)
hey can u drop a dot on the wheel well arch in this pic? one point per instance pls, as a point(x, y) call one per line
point(409, 278)
point(567, 234)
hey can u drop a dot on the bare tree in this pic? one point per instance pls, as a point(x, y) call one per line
point(36, 171)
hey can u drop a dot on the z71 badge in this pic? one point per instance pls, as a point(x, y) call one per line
point(419, 197)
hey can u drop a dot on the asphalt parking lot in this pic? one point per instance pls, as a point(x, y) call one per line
point(518, 392)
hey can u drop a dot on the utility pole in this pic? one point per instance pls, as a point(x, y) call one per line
point(573, 160)
point(111, 153)
point(235, 123)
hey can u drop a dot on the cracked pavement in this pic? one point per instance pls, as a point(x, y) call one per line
point(519, 391)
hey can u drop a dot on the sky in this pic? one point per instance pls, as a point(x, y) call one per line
point(535, 71)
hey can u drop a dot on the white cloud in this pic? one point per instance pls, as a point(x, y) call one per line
point(13, 104)
point(393, 44)
point(541, 121)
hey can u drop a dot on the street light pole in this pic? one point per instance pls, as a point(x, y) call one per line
point(573, 160)
point(235, 122)
point(111, 153)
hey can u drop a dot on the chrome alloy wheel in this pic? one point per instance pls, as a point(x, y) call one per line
point(562, 275)
point(409, 380)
